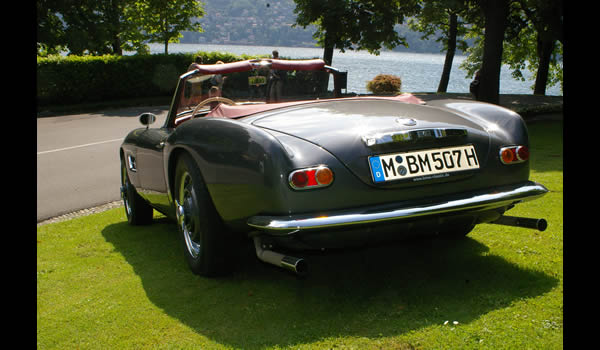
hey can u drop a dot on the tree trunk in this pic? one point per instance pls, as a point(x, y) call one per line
point(112, 13)
point(328, 58)
point(166, 46)
point(451, 50)
point(328, 54)
point(495, 13)
point(329, 45)
point(116, 46)
point(544, 51)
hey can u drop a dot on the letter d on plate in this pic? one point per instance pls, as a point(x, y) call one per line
point(376, 169)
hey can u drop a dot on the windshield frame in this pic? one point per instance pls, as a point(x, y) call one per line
point(339, 78)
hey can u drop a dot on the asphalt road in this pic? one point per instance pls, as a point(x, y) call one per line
point(78, 158)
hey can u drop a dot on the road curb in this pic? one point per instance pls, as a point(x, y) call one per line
point(81, 212)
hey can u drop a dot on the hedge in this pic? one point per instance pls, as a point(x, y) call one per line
point(64, 80)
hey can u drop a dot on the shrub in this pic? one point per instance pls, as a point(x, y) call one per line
point(384, 84)
point(86, 79)
point(65, 80)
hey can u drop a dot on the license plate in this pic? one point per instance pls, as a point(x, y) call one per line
point(423, 165)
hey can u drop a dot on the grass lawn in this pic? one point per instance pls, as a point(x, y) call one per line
point(102, 284)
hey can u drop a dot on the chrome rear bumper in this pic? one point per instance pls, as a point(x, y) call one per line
point(465, 202)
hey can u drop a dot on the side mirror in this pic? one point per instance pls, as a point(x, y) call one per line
point(147, 119)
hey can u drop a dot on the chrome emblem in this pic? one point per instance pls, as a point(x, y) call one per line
point(412, 135)
point(406, 121)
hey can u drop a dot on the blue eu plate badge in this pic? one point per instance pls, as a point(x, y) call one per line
point(376, 169)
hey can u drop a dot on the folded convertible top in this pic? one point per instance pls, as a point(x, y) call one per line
point(244, 66)
point(227, 111)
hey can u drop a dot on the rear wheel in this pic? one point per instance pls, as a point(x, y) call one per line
point(205, 239)
point(138, 211)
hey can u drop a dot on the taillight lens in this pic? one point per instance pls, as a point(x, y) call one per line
point(310, 178)
point(299, 179)
point(522, 153)
point(514, 154)
point(324, 176)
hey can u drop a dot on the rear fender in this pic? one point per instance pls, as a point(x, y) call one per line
point(240, 164)
point(501, 123)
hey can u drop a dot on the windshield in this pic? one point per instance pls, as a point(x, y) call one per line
point(255, 82)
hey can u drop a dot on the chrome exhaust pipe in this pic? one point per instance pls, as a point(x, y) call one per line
point(536, 224)
point(290, 263)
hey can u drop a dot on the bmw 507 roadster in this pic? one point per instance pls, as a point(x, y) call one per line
point(318, 172)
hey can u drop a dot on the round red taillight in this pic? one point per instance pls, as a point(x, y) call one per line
point(299, 179)
point(522, 153)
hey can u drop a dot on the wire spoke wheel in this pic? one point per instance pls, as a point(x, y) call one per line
point(207, 244)
point(187, 215)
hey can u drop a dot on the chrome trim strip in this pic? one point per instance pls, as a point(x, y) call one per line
point(412, 135)
point(131, 163)
point(493, 198)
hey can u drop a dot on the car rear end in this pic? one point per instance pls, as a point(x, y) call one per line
point(364, 170)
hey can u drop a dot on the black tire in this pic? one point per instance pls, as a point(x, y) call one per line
point(138, 211)
point(207, 245)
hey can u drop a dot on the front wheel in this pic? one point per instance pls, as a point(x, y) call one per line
point(137, 210)
point(204, 237)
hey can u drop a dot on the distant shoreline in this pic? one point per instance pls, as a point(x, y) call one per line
point(315, 47)
point(418, 71)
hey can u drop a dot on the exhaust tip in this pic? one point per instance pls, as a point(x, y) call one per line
point(290, 263)
point(542, 224)
point(536, 224)
point(296, 265)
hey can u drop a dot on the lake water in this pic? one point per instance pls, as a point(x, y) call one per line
point(420, 72)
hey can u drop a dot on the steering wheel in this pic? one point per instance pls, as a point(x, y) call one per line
point(212, 99)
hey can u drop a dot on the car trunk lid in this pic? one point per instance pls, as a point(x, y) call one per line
point(356, 129)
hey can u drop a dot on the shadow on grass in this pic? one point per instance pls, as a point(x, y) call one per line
point(380, 291)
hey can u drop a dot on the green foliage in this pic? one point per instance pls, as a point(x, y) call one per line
point(474, 53)
point(384, 84)
point(433, 20)
point(528, 22)
point(85, 79)
point(164, 20)
point(519, 55)
point(352, 24)
point(109, 27)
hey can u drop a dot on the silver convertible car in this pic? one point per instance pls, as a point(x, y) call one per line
point(271, 151)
